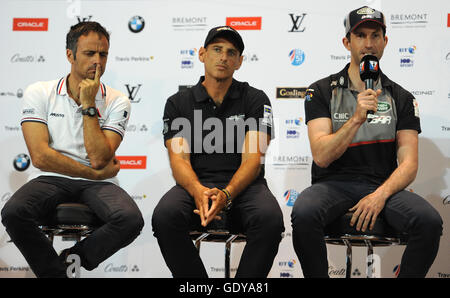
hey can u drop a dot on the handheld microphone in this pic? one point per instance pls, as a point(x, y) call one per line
point(369, 70)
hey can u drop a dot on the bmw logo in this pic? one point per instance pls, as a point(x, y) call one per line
point(136, 24)
point(21, 162)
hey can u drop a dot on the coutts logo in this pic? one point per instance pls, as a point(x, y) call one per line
point(17, 58)
point(120, 268)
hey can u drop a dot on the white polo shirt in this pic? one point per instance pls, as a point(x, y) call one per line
point(49, 103)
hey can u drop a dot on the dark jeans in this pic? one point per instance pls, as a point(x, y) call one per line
point(255, 212)
point(36, 200)
point(323, 202)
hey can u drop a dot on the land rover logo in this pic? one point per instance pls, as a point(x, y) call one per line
point(383, 107)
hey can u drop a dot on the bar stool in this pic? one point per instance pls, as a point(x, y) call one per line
point(71, 221)
point(341, 233)
point(218, 231)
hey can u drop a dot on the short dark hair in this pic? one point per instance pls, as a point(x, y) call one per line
point(83, 28)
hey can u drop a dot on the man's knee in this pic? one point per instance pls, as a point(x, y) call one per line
point(270, 221)
point(303, 213)
point(430, 222)
point(13, 213)
point(165, 215)
point(129, 221)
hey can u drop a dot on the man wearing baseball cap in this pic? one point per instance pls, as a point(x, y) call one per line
point(216, 134)
point(363, 166)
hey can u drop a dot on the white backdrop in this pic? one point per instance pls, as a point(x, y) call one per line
point(152, 64)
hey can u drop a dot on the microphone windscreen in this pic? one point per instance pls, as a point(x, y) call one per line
point(369, 68)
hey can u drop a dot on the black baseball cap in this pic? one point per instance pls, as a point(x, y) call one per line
point(228, 33)
point(361, 15)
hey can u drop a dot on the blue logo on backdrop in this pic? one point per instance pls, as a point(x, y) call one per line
point(290, 196)
point(136, 24)
point(297, 57)
point(21, 162)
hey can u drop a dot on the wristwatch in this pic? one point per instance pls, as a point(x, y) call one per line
point(91, 112)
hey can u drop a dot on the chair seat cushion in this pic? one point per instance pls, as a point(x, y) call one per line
point(75, 214)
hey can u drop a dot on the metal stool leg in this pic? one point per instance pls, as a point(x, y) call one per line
point(198, 241)
point(51, 237)
point(227, 255)
point(348, 259)
point(369, 258)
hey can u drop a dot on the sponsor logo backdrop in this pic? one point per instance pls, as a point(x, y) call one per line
point(289, 45)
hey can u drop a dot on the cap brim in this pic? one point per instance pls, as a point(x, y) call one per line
point(234, 38)
point(367, 20)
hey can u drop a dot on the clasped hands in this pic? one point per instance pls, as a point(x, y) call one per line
point(207, 212)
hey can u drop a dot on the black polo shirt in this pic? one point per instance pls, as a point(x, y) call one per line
point(372, 154)
point(216, 133)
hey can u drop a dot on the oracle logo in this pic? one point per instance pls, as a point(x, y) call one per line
point(132, 162)
point(30, 24)
point(244, 23)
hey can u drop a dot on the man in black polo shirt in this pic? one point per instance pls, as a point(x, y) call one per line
point(363, 166)
point(216, 134)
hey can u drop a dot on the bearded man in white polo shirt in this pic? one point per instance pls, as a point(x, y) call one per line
point(72, 128)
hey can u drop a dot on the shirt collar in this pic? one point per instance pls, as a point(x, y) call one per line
point(61, 89)
point(200, 93)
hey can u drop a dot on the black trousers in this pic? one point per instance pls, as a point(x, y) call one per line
point(255, 212)
point(323, 202)
point(37, 199)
